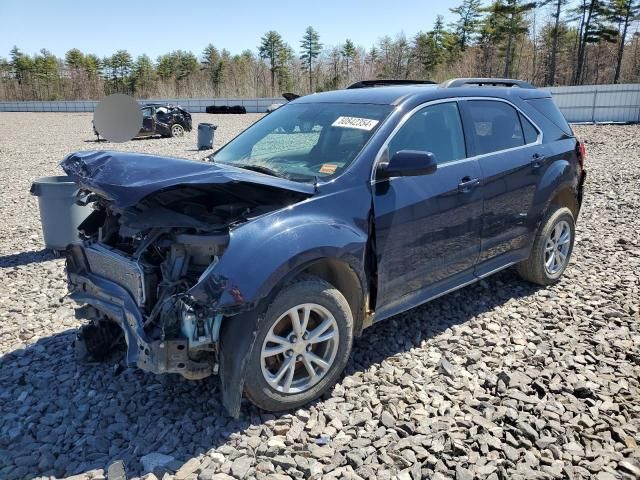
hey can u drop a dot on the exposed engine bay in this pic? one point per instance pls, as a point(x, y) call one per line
point(156, 251)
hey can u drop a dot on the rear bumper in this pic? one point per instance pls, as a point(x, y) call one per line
point(112, 301)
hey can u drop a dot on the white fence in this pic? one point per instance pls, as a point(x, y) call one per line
point(193, 105)
point(599, 103)
point(589, 103)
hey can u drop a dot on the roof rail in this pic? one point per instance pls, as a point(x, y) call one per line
point(486, 82)
point(386, 83)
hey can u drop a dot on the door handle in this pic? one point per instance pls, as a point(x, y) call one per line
point(537, 160)
point(467, 184)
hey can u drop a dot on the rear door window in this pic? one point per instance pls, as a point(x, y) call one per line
point(495, 126)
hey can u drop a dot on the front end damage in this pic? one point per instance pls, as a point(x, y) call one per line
point(164, 330)
point(147, 259)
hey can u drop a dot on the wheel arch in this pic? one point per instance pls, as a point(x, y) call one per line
point(343, 277)
point(558, 184)
point(566, 197)
point(238, 332)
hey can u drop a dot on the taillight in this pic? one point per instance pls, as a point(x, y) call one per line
point(582, 153)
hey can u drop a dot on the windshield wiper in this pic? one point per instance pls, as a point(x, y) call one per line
point(261, 169)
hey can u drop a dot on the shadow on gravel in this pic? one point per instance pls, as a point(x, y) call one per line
point(135, 139)
point(61, 417)
point(25, 258)
point(408, 330)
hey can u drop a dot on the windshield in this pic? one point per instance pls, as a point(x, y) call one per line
point(305, 141)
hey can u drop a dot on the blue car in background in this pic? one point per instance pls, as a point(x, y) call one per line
point(333, 212)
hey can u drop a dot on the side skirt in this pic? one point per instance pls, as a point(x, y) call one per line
point(449, 285)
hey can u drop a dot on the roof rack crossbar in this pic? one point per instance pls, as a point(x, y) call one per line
point(385, 83)
point(487, 82)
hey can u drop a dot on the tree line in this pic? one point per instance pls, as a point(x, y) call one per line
point(547, 42)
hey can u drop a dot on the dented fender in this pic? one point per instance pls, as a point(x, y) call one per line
point(260, 257)
point(261, 254)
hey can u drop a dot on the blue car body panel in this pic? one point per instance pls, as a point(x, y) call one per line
point(126, 178)
point(264, 252)
point(426, 231)
point(406, 239)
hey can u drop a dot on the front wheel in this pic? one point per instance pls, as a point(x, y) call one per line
point(177, 130)
point(551, 249)
point(302, 345)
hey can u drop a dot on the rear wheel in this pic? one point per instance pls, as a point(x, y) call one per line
point(552, 248)
point(302, 346)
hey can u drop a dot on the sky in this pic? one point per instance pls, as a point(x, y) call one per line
point(155, 27)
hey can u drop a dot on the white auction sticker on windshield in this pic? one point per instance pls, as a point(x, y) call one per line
point(355, 122)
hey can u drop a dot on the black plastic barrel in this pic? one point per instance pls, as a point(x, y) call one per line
point(205, 135)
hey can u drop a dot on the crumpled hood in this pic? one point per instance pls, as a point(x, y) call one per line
point(126, 178)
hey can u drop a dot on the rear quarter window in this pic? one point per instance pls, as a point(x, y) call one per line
point(548, 108)
point(530, 132)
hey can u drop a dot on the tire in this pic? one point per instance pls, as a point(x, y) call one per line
point(535, 268)
point(324, 302)
point(177, 130)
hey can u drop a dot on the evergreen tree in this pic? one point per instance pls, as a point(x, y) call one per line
point(348, 53)
point(92, 65)
point(491, 35)
point(425, 54)
point(214, 64)
point(45, 69)
point(74, 58)
point(466, 27)
point(285, 60)
point(310, 48)
point(270, 48)
point(121, 64)
point(512, 23)
point(622, 13)
point(438, 36)
point(555, 35)
point(592, 16)
point(143, 76)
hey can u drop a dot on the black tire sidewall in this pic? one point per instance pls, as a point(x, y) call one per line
point(308, 291)
point(558, 215)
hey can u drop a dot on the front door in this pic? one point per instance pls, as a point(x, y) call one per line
point(511, 159)
point(427, 228)
point(148, 122)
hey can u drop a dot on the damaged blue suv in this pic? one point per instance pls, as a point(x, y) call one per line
point(336, 211)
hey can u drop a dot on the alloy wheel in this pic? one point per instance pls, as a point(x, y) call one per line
point(299, 348)
point(177, 130)
point(556, 249)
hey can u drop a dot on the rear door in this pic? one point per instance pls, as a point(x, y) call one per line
point(511, 156)
point(427, 228)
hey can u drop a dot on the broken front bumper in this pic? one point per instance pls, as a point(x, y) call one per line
point(114, 302)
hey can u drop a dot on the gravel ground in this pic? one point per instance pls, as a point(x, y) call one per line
point(498, 380)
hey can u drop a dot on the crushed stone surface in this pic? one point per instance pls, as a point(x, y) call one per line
point(501, 379)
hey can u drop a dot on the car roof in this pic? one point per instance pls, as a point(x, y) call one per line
point(395, 95)
point(168, 105)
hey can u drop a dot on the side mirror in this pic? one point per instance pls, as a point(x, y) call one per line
point(408, 163)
